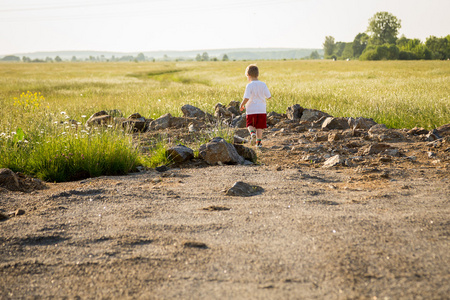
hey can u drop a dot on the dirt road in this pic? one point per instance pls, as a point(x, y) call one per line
point(313, 233)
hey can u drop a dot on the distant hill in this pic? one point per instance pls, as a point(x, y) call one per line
point(233, 54)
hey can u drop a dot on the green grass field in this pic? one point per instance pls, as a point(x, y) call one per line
point(38, 100)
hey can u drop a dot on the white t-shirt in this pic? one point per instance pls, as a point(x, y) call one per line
point(257, 92)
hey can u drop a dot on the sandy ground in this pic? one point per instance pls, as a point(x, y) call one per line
point(378, 230)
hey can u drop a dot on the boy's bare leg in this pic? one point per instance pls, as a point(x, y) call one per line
point(251, 129)
point(259, 133)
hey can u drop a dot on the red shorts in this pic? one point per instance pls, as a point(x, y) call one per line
point(259, 121)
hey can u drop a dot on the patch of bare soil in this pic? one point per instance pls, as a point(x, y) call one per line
point(376, 226)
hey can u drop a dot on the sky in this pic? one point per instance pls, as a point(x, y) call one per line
point(28, 26)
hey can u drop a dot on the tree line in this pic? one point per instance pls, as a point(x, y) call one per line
point(129, 58)
point(381, 42)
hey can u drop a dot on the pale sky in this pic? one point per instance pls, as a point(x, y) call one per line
point(150, 25)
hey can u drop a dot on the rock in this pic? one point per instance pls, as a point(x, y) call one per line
point(239, 140)
point(162, 168)
point(9, 180)
point(242, 189)
point(374, 149)
point(335, 123)
point(334, 136)
point(136, 125)
point(246, 153)
point(218, 150)
point(193, 244)
point(192, 111)
point(311, 115)
point(379, 128)
point(444, 130)
point(417, 131)
point(294, 112)
point(332, 162)
point(179, 153)
point(99, 118)
point(221, 112)
point(239, 121)
point(162, 122)
point(234, 112)
point(3, 217)
point(274, 118)
point(361, 123)
point(19, 212)
point(433, 135)
point(192, 128)
point(234, 104)
point(135, 116)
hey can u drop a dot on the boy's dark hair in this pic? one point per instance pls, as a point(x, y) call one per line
point(252, 70)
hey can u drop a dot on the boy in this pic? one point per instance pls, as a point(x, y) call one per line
point(255, 95)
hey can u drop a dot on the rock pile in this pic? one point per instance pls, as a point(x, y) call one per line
point(319, 127)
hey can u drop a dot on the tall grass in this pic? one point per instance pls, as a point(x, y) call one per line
point(39, 98)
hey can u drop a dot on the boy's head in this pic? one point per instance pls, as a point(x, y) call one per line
point(252, 71)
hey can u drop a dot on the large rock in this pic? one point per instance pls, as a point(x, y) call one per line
point(99, 118)
point(294, 112)
point(179, 153)
point(335, 123)
point(221, 112)
point(239, 121)
point(247, 153)
point(242, 189)
point(192, 111)
point(9, 180)
point(218, 150)
point(136, 122)
point(332, 161)
point(311, 115)
point(374, 149)
point(361, 123)
point(162, 122)
point(444, 130)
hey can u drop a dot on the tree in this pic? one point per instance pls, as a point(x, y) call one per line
point(329, 46)
point(314, 55)
point(439, 47)
point(359, 44)
point(383, 28)
point(198, 57)
point(225, 58)
point(58, 59)
point(74, 59)
point(140, 57)
point(11, 58)
point(205, 56)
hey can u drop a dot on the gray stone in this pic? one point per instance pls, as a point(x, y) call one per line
point(311, 115)
point(374, 149)
point(444, 130)
point(9, 180)
point(246, 153)
point(219, 151)
point(192, 111)
point(136, 125)
point(242, 189)
point(239, 121)
point(135, 116)
point(179, 153)
point(99, 118)
point(162, 122)
point(361, 123)
point(294, 112)
point(333, 161)
point(335, 123)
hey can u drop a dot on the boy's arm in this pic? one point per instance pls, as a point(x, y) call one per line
point(243, 103)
